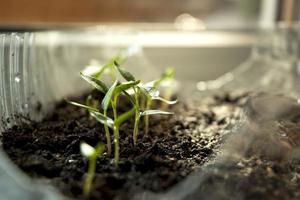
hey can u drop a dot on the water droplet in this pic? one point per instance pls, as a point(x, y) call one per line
point(71, 161)
point(17, 79)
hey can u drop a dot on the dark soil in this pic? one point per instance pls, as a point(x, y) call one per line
point(199, 136)
point(266, 168)
point(175, 146)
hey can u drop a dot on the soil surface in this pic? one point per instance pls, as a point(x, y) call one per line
point(175, 146)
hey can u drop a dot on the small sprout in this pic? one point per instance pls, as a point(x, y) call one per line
point(137, 93)
point(151, 93)
point(111, 97)
point(100, 86)
point(91, 154)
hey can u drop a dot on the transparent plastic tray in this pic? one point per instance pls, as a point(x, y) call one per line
point(40, 68)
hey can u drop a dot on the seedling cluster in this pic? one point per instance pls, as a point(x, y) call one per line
point(140, 96)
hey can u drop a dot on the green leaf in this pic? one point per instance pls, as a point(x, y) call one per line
point(125, 74)
point(102, 118)
point(99, 85)
point(123, 117)
point(165, 100)
point(125, 86)
point(108, 96)
point(155, 112)
point(82, 106)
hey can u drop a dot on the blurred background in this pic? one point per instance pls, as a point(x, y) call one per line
point(189, 33)
point(207, 13)
point(201, 39)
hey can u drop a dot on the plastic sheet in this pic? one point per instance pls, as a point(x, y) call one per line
point(14, 185)
point(31, 77)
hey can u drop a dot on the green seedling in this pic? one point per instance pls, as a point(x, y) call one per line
point(111, 97)
point(168, 82)
point(94, 79)
point(139, 91)
point(150, 91)
point(100, 86)
point(91, 154)
point(135, 92)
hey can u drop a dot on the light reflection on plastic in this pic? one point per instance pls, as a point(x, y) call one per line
point(187, 22)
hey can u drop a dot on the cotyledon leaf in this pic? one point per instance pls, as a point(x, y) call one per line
point(82, 106)
point(102, 118)
point(155, 112)
point(106, 100)
point(99, 85)
point(125, 74)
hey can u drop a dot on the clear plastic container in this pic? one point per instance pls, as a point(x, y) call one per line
point(38, 69)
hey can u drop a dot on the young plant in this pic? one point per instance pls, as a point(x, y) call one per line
point(111, 97)
point(138, 91)
point(91, 154)
point(151, 93)
point(93, 78)
point(133, 90)
point(100, 86)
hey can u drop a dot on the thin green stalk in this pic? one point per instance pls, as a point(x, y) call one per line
point(117, 145)
point(136, 126)
point(107, 134)
point(90, 176)
point(116, 132)
point(146, 118)
point(137, 117)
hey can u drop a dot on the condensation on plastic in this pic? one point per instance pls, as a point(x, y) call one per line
point(30, 79)
point(38, 69)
